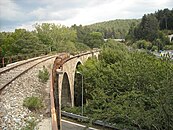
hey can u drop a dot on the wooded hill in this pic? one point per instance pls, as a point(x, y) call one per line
point(114, 28)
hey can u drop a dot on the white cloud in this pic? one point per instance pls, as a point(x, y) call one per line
point(20, 13)
point(9, 10)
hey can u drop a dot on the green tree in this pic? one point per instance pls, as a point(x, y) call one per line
point(82, 32)
point(94, 40)
point(165, 18)
point(55, 36)
point(148, 28)
point(142, 44)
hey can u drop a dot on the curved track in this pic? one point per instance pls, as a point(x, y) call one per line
point(9, 74)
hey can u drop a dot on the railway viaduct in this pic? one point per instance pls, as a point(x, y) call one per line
point(62, 83)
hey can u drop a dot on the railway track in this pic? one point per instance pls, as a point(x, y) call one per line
point(9, 74)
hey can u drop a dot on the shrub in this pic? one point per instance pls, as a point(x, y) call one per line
point(43, 75)
point(143, 44)
point(33, 103)
point(75, 110)
point(168, 47)
point(154, 48)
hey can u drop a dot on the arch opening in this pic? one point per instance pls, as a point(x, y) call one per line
point(172, 39)
point(66, 93)
point(78, 84)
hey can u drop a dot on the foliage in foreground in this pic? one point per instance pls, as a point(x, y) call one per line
point(43, 75)
point(33, 103)
point(130, 89)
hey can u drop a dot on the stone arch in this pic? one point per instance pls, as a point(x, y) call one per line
point(77, 88)
point(78, 63)
point(66, 92)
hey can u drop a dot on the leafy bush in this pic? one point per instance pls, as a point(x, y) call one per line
point(43, 75)
point(33, 103)
point(143, 44)
point(168, 47)
point(154, 48)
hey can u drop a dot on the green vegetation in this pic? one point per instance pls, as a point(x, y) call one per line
point(168, 47)
point(31, 124)
point(75, 110)
point(43, 75)
point(94, 40)
point(142, 44)
point(33, 103)
point(93, 35)
point(56, 37)
point(130, 89)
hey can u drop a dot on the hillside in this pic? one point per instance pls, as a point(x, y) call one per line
point(114, 28)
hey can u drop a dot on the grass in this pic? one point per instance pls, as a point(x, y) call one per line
point(33, 103)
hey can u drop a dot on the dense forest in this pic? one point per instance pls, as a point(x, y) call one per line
point(115, 29)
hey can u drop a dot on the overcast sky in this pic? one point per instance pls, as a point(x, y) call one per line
point(25, 13)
